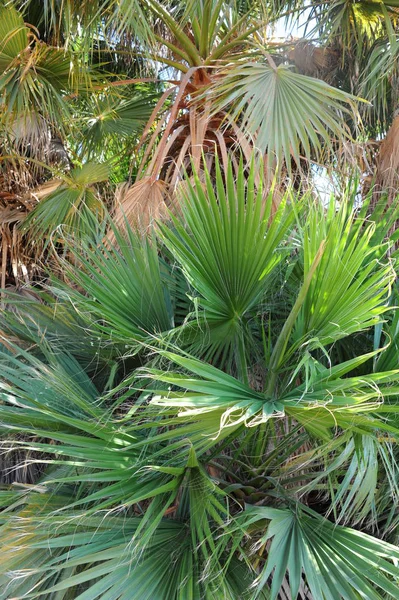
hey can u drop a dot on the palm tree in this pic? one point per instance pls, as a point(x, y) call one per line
point(60, 117)
point(206, 408)
point(354, 46)
point(214, 59)
point(214, 405)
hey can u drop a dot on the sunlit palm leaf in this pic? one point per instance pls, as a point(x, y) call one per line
point(229, 405)
point(288, 114)
point(356, 295)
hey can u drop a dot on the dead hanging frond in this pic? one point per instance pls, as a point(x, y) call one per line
point(32, 220)
point(387, 176)
point(18, 264)
point(142, 203)
point(43, 190)
point(187, 134)
point(355, 160)
point(312, 60)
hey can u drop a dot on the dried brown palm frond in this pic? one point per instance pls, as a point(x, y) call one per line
point(387, 173)
point(313, 60)
point(359, 154)
point(43, 190)
point(229, 99)
point(18, 264)
point(140, 204)
point(19, 261)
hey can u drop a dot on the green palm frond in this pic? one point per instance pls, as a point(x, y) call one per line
point(65, 21)
point(34, 80)
point(229, 251)
point(44, 318)
point(168, 569)
point(360, 21)
point(74, 205)
point(288, 114)
point(124, 289)
point(378, 76)
point(14, 36)
point(356, 492)
point(224, 234)
point(336, 562)
point(115, 119)
point(386, 338)
point(335, 300)
point(226, 406)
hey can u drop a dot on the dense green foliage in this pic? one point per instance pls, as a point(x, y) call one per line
point(207, 425)
point(199, 358)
